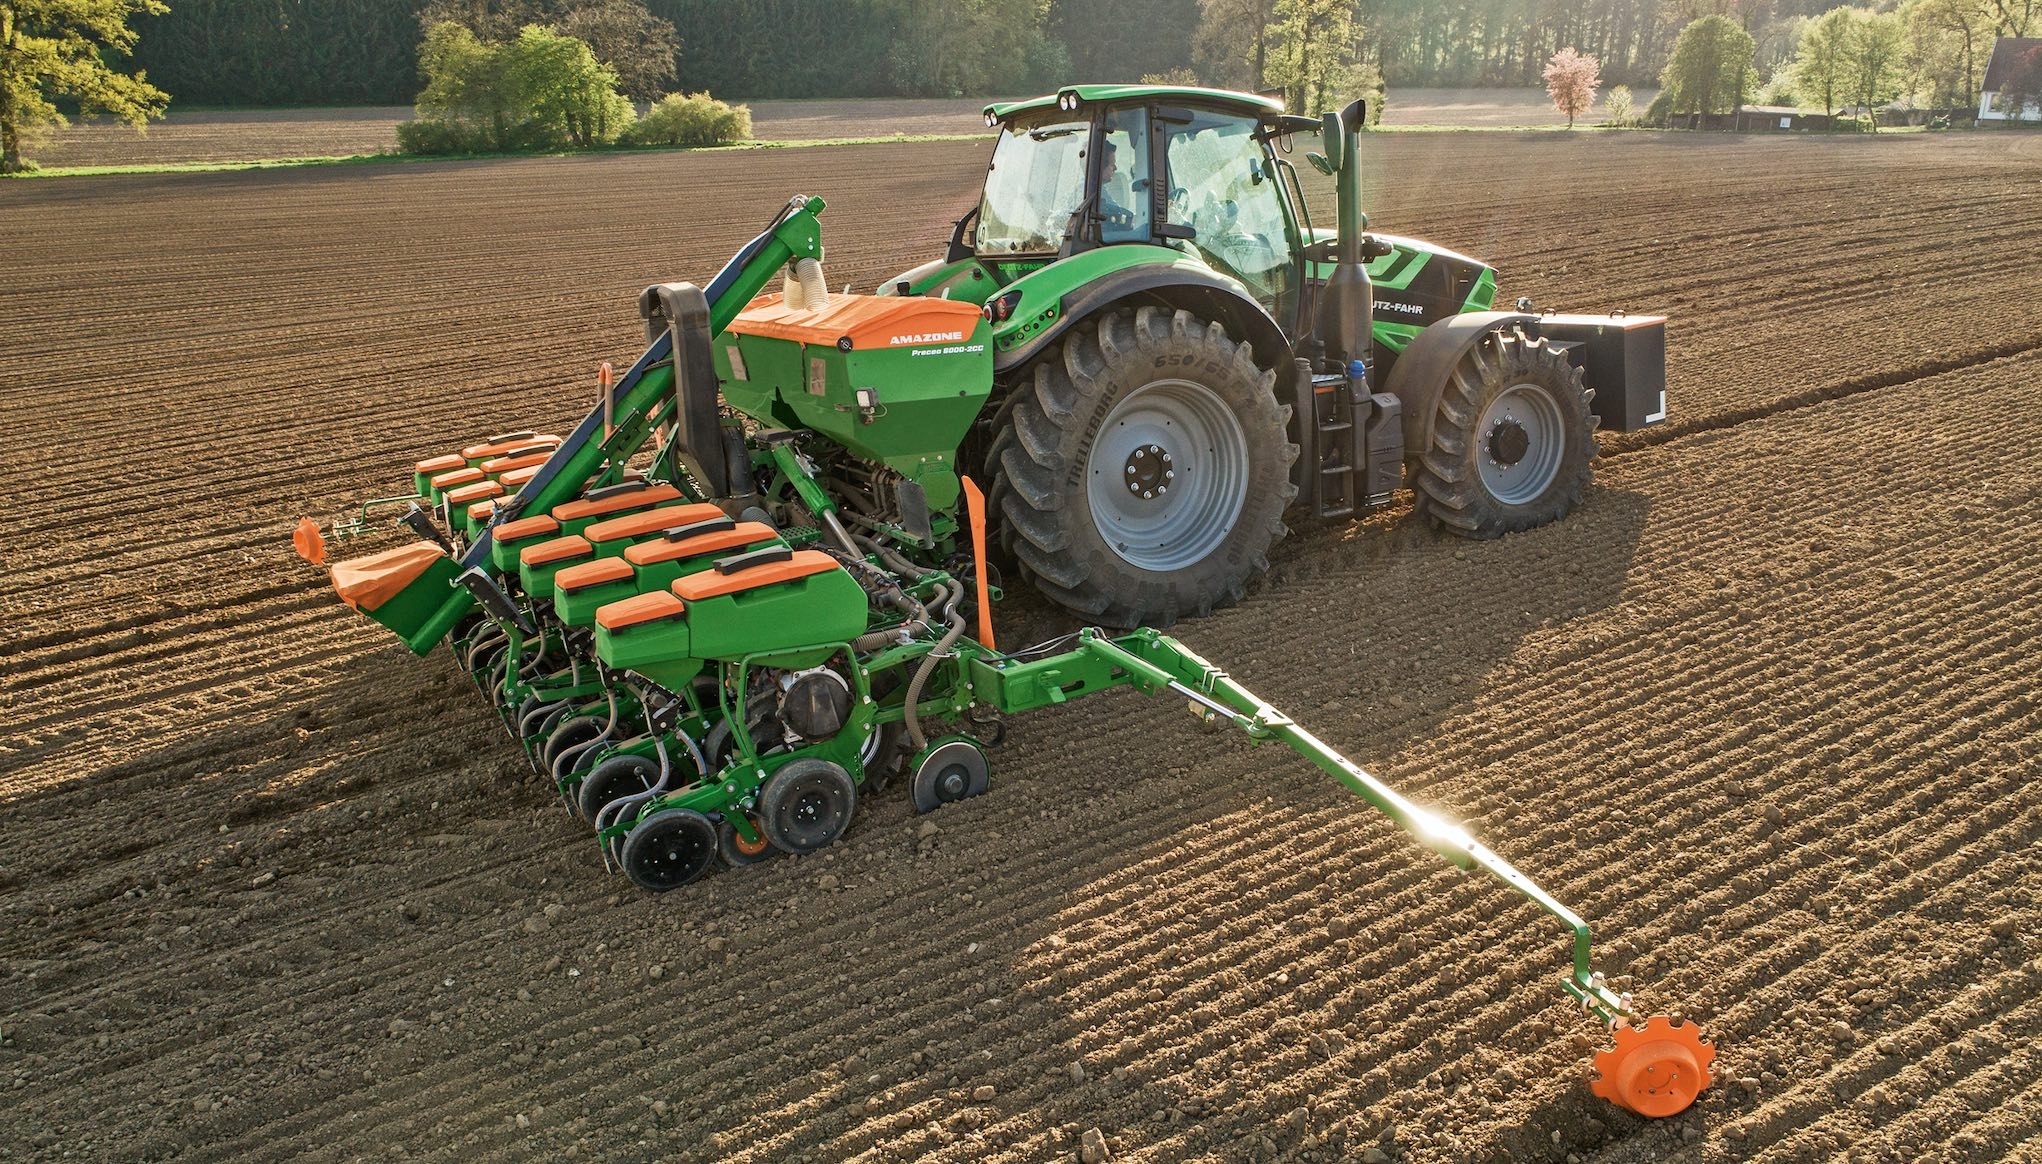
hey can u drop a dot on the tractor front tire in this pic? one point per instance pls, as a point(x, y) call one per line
point(1141, 468)
point(1512, 441)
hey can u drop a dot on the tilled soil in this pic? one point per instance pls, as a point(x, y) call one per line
point(1765, 711)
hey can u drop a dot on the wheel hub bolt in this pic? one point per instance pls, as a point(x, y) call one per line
point(1508, 442)
point(1148, 470)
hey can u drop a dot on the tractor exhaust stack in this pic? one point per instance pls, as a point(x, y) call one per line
point(1346, 314)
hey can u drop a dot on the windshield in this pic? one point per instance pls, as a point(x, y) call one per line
point(1035, 182)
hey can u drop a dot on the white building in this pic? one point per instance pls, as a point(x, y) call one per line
point(2005, 51)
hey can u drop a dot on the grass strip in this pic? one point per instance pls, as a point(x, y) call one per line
point(215, 167)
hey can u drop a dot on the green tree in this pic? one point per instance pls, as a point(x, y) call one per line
point(57, 49)
point(539, 91)
point(2013, 17)
point(623, 34)
point(1711, 68)
point(1620, 105)
point(1317, 62)
point(1823, 67)
point(947, 48)
point(1875, 61)
point(564, 89)
point(1950, 63)
point(1233, 41)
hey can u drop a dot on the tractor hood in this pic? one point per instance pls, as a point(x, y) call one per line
point(1416, 284)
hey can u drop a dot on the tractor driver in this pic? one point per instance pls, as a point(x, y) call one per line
point(1110, 210)
point(1123, 215)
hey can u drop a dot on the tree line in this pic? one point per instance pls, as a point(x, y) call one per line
point(285, 52)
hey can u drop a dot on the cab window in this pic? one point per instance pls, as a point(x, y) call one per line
point(1036, 181)
point(1225, 189)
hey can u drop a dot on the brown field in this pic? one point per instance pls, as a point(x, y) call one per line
point(1765, 710)
point(229, 135)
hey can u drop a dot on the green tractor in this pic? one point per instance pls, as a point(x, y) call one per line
point(1179, 354)
point(751, 587)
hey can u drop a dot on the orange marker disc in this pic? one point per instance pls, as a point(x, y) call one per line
point(311, 544)
point(1656, 1070)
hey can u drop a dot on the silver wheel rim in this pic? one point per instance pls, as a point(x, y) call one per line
point(1531, 410)
point(1168, 475)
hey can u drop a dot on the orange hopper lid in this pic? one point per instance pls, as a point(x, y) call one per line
point(432, 465)
point(470, 494)
point(488, 449)
point(557, 550)
point(537, 526)
point(592, 574)
point(623, 502)
point(517, 460)
point(517, 477)
point(871, 321)
point(455, 478)
point(710, 584)
point(615, 616)
point(367, 583)
point(744, 533)
point(650, 521)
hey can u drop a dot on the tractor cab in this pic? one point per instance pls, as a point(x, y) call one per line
point(1099, 166)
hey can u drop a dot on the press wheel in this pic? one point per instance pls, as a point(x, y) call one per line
point(668, 849)
point(613, 780)
point(948, 770)
point(807, 804)
point(738, 852)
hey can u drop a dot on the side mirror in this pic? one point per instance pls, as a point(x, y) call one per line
point(1331, 138)
point(1320, 164)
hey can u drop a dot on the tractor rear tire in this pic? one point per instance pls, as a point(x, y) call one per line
point(1513, 440)
point(1141, 468)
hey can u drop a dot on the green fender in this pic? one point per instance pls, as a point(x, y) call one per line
point(1421, 372)
point(1071, 290)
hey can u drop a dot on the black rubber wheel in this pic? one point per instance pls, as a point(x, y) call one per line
point(613, 780)
point(569, 733)
point(947, 771)
point(807, 804)
point(884, 754)
point(736, 852)
point(1513, 440)
point(1142, 468)
point(668, 849)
